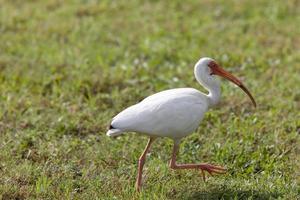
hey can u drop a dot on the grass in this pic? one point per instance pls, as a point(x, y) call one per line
point(67, 67)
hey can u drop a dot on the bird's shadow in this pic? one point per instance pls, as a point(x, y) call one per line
point(230, 193)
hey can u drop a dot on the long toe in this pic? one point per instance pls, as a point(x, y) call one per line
point(216, 167)
point(217, 170)
point(211, 169)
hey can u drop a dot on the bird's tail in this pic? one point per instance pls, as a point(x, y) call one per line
point(114, 132)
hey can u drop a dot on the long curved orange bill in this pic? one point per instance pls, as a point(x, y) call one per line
point(217, 70)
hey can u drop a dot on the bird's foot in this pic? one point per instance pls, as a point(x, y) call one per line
point(211, 169)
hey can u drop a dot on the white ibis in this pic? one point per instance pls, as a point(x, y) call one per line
point(175, 113)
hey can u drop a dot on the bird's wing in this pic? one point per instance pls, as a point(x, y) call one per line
point(177, 92)
point(165, 113)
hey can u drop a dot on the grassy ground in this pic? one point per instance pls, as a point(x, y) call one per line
point(67, 67)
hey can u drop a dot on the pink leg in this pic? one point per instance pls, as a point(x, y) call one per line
point(202, 166)
point(142, 159)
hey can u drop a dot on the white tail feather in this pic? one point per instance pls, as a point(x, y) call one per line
point(114, 132)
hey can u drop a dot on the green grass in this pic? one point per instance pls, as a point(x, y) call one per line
point(67, 67)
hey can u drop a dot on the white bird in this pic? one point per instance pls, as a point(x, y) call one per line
point(175, 113)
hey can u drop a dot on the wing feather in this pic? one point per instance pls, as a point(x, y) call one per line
point(170, 113)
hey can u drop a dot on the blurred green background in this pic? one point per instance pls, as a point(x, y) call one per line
point(67, 67)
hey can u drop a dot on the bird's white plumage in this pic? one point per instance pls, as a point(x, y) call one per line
point(172, 113)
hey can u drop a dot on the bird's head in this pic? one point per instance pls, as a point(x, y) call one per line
point(207, 68)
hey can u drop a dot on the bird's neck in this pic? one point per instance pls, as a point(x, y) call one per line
point(214, 95)
point(212, 85)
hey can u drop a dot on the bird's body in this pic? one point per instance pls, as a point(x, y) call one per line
point(172, 113)
point(175, 113)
